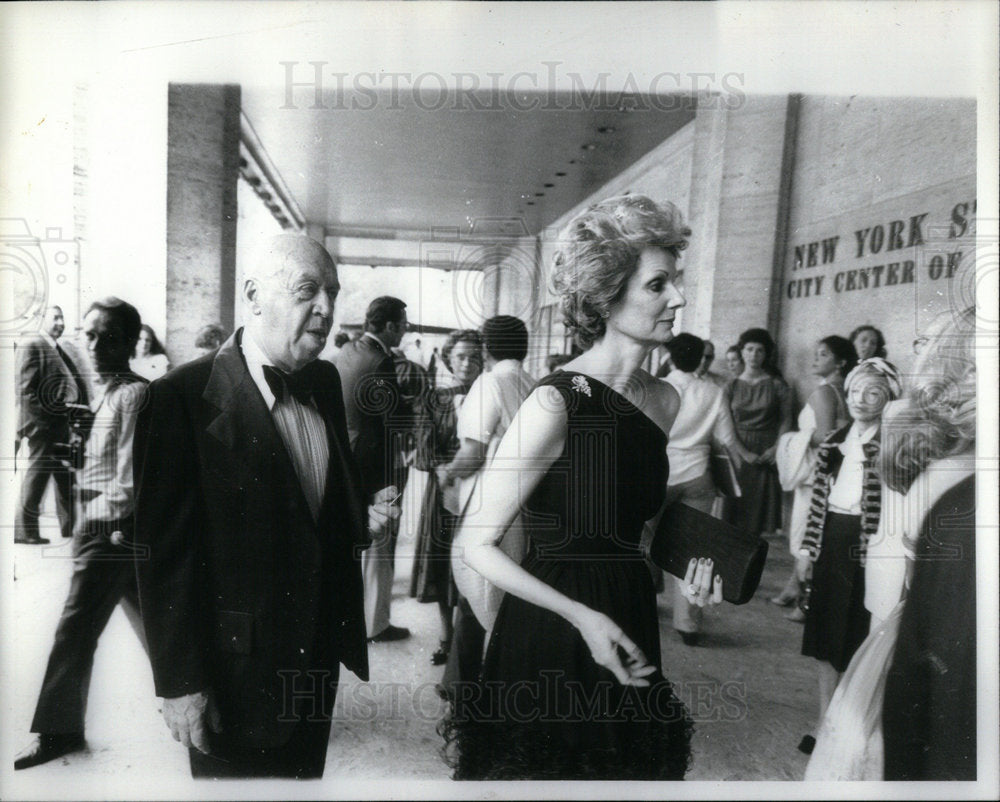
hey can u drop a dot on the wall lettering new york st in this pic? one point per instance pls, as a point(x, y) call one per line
point(890, 254)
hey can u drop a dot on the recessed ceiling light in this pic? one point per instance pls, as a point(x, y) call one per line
point(589, 146)
point(560, 174)
point(531, 203)
point(572, 161)
point(549, 186)
point(539, 194)
point(606, 129)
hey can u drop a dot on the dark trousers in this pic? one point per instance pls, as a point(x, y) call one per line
point(465, 657)
point(43, 464)
point(302, 757)
point(103, 576)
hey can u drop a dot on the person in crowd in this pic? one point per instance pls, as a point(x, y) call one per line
point(703, 416)
point(705, 371)
point(103, 542)
point(843, 516)
point(486, 413)
point(413, 386)
point(824, 411)
point(48, 385)
point(437, 444)
point(868, 341)
point(249, 514)
point(762, 411)
point(929, 713)
point(378, 427)
point(905, 708)
point(209, 338)
point(597, 426)
point(734, 362)
point(150, 358)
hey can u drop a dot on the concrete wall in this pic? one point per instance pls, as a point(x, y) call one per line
point(862, 163)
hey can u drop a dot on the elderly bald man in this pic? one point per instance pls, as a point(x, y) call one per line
point(250, 511)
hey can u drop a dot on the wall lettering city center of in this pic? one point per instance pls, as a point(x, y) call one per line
point(914, 246)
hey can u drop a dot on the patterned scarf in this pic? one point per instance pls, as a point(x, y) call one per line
point(828, 458)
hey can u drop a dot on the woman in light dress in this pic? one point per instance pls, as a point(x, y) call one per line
point(824, 411)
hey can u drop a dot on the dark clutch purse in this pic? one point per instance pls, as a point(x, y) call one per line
point(685, 532)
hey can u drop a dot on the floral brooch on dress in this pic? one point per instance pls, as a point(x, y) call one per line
point(581, 386)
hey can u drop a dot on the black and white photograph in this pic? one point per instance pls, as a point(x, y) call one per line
point(411, 400)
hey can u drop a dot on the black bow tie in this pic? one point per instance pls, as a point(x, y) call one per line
point(300, 384)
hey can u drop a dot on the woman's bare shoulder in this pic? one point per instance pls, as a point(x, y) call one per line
point(660, 399)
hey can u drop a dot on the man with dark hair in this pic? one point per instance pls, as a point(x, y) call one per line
point(486, 413)
point(250, 511)
point(373, 404)
point(703, 416)
point(704, 370)
point(47, 382)
point(103, 550)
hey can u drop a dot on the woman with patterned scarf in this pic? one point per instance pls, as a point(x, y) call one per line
point(843, 516)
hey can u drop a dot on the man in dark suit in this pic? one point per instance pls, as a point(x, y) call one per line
point(103, 555)
point(47, 381)
point(250, 508)
point(377, 424)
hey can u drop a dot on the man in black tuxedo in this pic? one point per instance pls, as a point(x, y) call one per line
point(377, 423)
point(250, 507)
point(47, 381)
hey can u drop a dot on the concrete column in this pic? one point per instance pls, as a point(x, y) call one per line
point(203, 137)
point(739, 187)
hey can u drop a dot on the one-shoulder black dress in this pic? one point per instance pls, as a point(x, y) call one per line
point(544, 709)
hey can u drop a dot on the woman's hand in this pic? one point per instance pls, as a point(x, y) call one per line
point(699, 588)
point(803, 568)
point(767, 458)
point(605, 638)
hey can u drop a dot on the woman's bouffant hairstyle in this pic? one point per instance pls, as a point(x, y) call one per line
point(598, 253)
point(940, 415)
point(879, 337)
point(763, 339)
point(460, 336)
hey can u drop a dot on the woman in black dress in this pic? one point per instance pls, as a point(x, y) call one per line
point(437, 443)
point(571, 685)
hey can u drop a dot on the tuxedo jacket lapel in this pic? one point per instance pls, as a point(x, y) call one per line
point(245, 426)
point(342, 471)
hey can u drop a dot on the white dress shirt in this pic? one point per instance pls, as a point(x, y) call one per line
point(492, 402)
point(301, 428)
point(106, 478)
point(703, 416)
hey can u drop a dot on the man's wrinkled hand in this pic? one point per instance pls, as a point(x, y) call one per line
point(384, 509)
point(188, 716)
